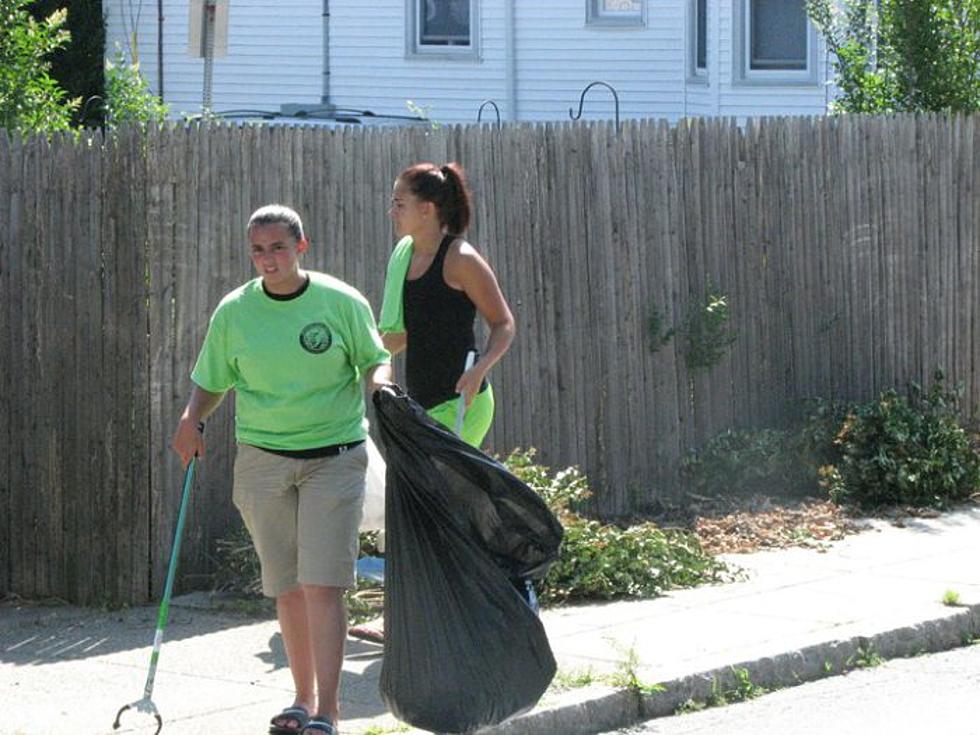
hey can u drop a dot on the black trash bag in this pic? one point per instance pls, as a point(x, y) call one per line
point(463, 649)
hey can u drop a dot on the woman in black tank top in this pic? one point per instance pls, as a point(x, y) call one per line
point(447, 282)
point(439, 283)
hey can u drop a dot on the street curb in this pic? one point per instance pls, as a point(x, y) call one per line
point(601, 709)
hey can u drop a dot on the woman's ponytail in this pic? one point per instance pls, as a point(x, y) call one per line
point(446, 187)
point(457, 207)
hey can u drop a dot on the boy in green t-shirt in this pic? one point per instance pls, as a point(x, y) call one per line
point(295, 347)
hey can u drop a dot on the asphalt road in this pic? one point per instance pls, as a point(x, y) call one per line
point(938, 693)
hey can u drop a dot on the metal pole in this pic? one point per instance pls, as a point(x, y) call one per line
point(208, 33)
point(160, 19)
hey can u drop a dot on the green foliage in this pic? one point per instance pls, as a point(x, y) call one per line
point(704, 332)
point(605, 561)
point(237, 571)
point(597, 560)
point(902, 55)
point(30, 99)
point(866, 657)
point(565, 491)
point(237, 565)
point(422, 112)
point(658, 335)
point(627, 674)
point(816, 438)
point(128, 96)
point(575, 679)
point(900, 450)
point(750, 461)
point(951, 598)
point(78, 65)
point(742, 690)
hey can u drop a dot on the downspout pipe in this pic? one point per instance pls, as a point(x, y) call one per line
point(325, 96)
point(511, 63)
point(160, 49)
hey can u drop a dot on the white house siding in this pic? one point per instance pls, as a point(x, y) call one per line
point(558, 54)
point(742, 100)
point(275, 56)
point(369, 67)
point(275, 53)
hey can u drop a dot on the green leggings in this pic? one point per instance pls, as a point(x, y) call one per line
point(478, 418)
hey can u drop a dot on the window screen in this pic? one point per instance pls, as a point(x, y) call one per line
point(777, 29)
point(444, 22)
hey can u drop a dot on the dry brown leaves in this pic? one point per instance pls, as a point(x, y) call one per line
point(744, 524)
point(808, 524)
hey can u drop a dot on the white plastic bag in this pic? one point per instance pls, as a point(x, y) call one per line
point(374, 493)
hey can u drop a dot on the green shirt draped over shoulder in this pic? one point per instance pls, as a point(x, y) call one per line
point(392, 315)
point(296, 365)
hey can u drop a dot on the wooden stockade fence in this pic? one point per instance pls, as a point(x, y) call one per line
point(847, 247)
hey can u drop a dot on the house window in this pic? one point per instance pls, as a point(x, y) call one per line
point(443, 27)
point(774, 42)
point(701, 40)
point(615, 12)
point(777, 32)
point(698, 33)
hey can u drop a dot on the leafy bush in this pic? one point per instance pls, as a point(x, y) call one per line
point(705, 332)
point(900, 450)
point(30, 99)
point(78, 67)
point(816, 438)
point(597, 560)
point(128, 95)
point(750, 461)
point(902, 55)
point(604, 561)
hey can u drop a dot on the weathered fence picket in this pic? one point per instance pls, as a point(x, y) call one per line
point(846, 247)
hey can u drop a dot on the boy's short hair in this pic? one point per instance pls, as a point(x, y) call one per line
point(278, 214)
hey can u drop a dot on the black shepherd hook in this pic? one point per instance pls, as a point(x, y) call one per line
point(96, 102)
point(581, 101)
point(492, 104)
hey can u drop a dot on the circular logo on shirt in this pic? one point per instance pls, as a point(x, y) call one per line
point(315, 338)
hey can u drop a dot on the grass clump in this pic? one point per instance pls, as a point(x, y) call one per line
point(603, 561)
point(951, 598)
point(866, 657)
point(740, 689)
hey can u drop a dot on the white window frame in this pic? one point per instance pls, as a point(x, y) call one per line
point(415, 49)
point(595, 15)
point(696, 74)
point(744, 74)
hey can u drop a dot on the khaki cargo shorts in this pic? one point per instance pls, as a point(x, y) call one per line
point(303, 515)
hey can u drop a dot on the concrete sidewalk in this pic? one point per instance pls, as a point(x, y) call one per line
point(799, 615)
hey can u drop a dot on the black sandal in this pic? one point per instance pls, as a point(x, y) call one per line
point(319, 725)
point(297, 713)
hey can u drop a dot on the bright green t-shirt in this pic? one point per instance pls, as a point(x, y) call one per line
point(296, 365)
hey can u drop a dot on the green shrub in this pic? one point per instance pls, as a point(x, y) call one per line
point(597, 560)
point(31, 101)
point(816, 439)
point(750, 461)
point(237, 565)
point(128, 96)
point(705, 332)
point(605, 561)
point(900, 450)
